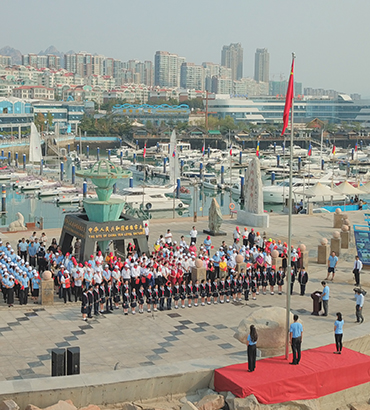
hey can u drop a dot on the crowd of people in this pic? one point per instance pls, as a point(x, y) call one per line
point(157, 281)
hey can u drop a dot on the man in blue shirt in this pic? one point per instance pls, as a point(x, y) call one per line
point(325, 297)
point(332, 265)
point(359, 304)
point(295, 336)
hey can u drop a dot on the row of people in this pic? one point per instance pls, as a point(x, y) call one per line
point(101, 297)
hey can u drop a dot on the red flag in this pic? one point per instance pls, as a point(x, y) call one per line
point(289, 99)
point(144, 152)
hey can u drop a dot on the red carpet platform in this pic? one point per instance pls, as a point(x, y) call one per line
point(319, 373)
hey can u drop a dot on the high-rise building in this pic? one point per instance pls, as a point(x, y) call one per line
point(262, 65)
point(167, 69)
point(5, 60)
point(232, 57)
point(192, 76)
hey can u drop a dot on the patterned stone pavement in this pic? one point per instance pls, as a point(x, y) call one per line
point(114, 341)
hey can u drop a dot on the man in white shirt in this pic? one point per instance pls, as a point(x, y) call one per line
point(359, 305)
point(168, 237)
point(193, 235)
point(357, 270)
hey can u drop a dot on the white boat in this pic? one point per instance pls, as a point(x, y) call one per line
point(149, 189)
point(31, 185)
point(141, 170)
point(69, 199)
point(56, 191)
point(210, 183)
point(48, 192)
point(277, 194)
point(151, 201)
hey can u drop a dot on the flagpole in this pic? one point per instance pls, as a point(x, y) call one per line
point(289, 225)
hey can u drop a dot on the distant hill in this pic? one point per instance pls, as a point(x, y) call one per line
point(56, 52)
point(16, 55)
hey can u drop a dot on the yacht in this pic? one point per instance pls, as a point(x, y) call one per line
point(277, 194)
point(210, 183)
point(152, 201)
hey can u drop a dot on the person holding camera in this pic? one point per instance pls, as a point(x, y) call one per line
point(359, 305)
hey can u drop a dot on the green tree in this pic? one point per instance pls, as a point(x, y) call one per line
point(227, 124)
point(40, 121)
point(49, 119)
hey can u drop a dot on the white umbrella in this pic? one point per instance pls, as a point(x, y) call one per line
point(346, 188)
point(318, 190)
point(366, 187)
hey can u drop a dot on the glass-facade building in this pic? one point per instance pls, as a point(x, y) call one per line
point(270, 110)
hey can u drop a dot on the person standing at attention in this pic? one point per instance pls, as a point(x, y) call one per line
point(325, 297)
point(146, 229)
point(252, 348)
point(338, 333)
point(332, 265)
point(359, 305)
point(295, 336)
point(193, 235)
point(303, 279)
point(357, 270)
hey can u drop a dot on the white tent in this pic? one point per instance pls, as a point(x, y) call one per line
point(320, 191)
point(345, 188)
point(366, 187)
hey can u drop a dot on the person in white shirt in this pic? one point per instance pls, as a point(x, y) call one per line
point(193, 235)
point(183, 243)
point(135, 274)
point(168, 237)
point(357, 270)
point(98, 277)
point(359, 305)
point(146, 229)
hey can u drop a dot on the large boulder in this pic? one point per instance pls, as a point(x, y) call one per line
point(9, 405)
point(248, 403)
point(270, 325)
point(188, 406)
point(211, 402)
point(62, 405)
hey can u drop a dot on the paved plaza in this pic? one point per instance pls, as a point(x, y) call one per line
point(114, 341)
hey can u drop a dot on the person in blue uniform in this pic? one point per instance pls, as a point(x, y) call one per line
point(325, 298)
point(252, 348)
point(295, 336)
point(338, 333)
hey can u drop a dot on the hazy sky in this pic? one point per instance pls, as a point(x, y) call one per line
point(330, 38)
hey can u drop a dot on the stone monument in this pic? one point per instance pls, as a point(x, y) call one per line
point(214, 220)
point(46, 296)
point(18, 224)
point(270, 325)
point(253, 215)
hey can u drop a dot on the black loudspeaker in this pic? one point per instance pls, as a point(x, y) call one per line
point(73, 360)
point(58, 362)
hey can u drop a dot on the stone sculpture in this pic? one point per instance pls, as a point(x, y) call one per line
point(253, 213)
point(253, 188)
point(270, 325)
point(18, 224)
point(215, 217)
